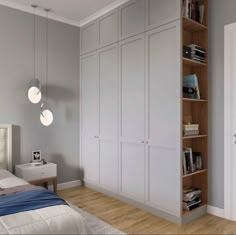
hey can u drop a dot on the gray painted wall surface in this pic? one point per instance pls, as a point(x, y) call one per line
point(221, 12)
point(60, 142)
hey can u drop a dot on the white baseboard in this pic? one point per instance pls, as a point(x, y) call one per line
point(70, 184)
point(215, 211)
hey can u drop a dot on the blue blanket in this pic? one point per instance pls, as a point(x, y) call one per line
point(27, 201)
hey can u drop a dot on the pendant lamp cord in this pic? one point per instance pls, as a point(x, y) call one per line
point(47, 10)
point(34, 6)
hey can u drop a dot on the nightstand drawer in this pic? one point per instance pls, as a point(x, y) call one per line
point(30, 173)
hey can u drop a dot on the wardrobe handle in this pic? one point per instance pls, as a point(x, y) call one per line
point(142, 142)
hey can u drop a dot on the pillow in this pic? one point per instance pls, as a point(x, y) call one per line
point(12, 182)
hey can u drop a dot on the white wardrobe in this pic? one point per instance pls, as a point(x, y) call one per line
point(131, 104)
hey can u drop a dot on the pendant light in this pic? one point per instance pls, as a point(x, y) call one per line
point(46, 116)
point(34, 91)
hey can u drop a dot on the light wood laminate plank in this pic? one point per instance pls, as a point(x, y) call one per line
point(132, 220)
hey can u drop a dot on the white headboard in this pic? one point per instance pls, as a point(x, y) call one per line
point(6, 147)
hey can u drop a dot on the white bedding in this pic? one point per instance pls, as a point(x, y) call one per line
point(51, 220)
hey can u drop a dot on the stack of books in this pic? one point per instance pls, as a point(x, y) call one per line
point(191, 87)
point(192, 9)
point(197, 53)
point(191, 199)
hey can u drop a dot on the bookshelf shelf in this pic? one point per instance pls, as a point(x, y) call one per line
point(185, 213)
point(195, 100)
point(194, 63)
point(195, 173)
point(192, 25)
point(194, 137)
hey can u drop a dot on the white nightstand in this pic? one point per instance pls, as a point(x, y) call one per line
point(43, 174)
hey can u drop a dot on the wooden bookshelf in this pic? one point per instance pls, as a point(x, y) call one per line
point(192, 26)
point(195, 173)
point(195, 100)
point(196, 33)
point(194, 137)
point(195, 63)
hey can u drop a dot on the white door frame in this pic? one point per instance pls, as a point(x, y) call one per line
point(229, 161)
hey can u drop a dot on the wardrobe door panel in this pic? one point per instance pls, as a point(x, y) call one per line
point(164, 179)
point(109, 165)
point(108, 67)
point(163, 47)
point(132, 72)
point(160, 12)
point(89, 38)
point(164, 112)
point(90, 159)
point(133, 171)
point(90, 95)
point(108, 29)
point(131, 19)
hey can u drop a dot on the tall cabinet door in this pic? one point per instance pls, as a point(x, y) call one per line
point(132, 128)
point(164, 131)
point(90, 117)
point(108, 70)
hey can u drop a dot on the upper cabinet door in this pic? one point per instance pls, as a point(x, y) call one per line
point(131, 18)
point(108, 29)
point(108, 73)
point(89, 38)
point(89, 95)
point(160, 12)
point(163, 72)
point(132, 73)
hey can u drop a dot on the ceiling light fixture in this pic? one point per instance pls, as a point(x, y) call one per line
point(34, 91)
point(46, 116)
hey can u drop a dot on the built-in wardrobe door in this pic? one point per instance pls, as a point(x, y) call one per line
point(132, 129)
point(90, 116)
point(131, 18)
point(108, 70)
point(164, 112)
point(160, 12)
point(89, 38)
point(108, 28)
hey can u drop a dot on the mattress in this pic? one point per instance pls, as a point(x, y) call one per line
point(50, 220)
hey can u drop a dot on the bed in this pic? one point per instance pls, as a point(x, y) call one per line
point(56, 219)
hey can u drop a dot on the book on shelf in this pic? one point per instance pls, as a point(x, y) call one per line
point(192, 9)
point(191, 87)
point(192, 161)
point(188, 161)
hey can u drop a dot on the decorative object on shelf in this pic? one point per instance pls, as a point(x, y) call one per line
point(197, 161)
point(34, 90)
point(187, 52)
point(46, 115)
point(36, 156)
point(191, 129)
point(191, 87)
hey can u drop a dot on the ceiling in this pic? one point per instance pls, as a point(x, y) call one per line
point(76, 12)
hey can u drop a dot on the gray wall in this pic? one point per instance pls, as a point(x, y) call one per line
point(221, 12)
point(59, 142)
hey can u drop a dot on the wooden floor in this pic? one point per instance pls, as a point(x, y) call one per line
point(135, 221)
